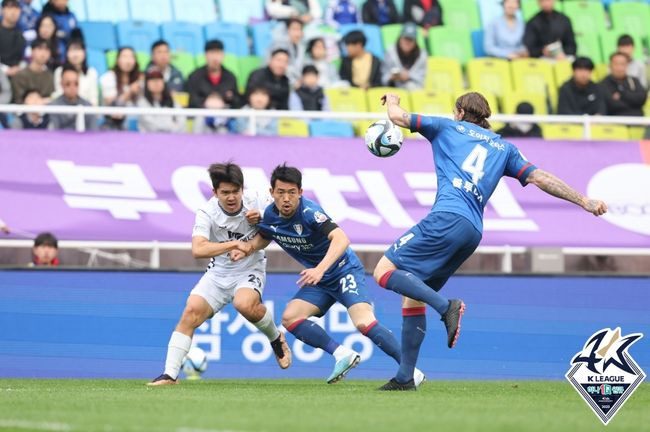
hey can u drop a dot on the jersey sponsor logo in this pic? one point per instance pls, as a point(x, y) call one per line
point(487, 139)
point(298, 228)
point(319, 217)
point(604, 373)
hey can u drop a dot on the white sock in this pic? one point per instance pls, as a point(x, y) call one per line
point(341, 352)
point(267, 326)
point(179, 345)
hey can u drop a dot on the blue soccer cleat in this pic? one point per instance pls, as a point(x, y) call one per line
point(343, 366)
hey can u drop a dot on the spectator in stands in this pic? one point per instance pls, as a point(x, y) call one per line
point(88, 77)
point(636, 68)
point(46, 30)
point(121, 86)
point(5, 96)
point(66, 21)
point(28, 18)
point(309, 96)
point(521, 129)
point(405, 64)
point(503, 37)
point(45, 251)
point(259, 98)
point(549, 33)
point(380, 12)
point(12, 42)
point(316, 55)
point(70, 79)
point(292, 41)
point(306, 11)
point(161, 59)
point(341, 12)
point(157, 95)
point(425, 13)
point(36, 76)
point(214, 125)
point(31, 120)
point(274, 78)
point(580, 95)
point(212, 78)
point(360, 68)
point(624, 95)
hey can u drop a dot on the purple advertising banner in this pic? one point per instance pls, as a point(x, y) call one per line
point(136, 187)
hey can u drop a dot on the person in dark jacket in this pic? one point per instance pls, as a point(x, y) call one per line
point(274, 78)
point(580, 95)
point(12, 42)
point(624, 95)
point(309, 96)
point(425, 13)
point(65, 19)
point(212, 78)
point(161, 59)
point(360, 68)
point(379, 12)
point(521, 129)
point(549, 33)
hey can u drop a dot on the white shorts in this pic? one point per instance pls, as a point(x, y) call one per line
point(219, 290)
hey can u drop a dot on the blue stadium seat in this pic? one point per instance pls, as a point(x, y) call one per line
point(99, 35)
point(139, 35)
point(241, 11)
point(201, 12)
point(330, 128)
point(157, 11)
point(262, 35)
point(102, 10)
point(477, 43)
point(78, 7)
point(373, 35)
point(233, 36)
point(97, 59)
point(183, 36)
point(489, 10)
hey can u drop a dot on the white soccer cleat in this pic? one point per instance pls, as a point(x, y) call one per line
point(418, 377)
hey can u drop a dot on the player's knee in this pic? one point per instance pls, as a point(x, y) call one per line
point(290, 317)
point(192, 316)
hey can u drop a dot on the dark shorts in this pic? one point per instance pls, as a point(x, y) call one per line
point(349, 289)
point(434, 248)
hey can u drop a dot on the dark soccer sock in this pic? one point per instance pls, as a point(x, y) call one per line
point(384, 339)
point(408, 285)
point(313, 335)
point(414, 327)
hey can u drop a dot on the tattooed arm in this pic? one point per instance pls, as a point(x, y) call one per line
point(396, 113)
point(556, 187)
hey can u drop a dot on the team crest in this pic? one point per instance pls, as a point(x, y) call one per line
point(604, 373)
point(319, 217)
point(460, 128)
point(298, 228)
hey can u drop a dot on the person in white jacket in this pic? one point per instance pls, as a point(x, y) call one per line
point(405, 63)
point(157, 95)
point(307, 11)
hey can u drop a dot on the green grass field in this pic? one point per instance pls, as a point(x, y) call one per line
point(306, 405)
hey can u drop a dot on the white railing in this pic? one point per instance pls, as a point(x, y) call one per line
point(585, 120)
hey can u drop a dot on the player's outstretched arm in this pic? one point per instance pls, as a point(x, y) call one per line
point(243, 249)
point(396, 113)
point(339, 242)
point(204, 248)
point(558, 188)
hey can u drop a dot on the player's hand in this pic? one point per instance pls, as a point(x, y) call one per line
point(253, 217)
point(390, 98)
point(310, 276)
point(595, 207)
point(237, 255)
point(244, 247)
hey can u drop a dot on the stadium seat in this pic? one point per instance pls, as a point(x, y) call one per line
point(587, 17)
point(349, 99)
point(184, 62)
point(293, 127)
point(97, 59)
point(600, 72)
point(631, 17)
point(477, 43)
point(373, 36)
point(139, 35)
point(451, 43)
point(330, 128)
point(443, 75)
point(113, 11)
point(374, 94)
point(562, 131)
point(390, 34)
point(534, 76)
point(241, 11)
point(78, 7)
point(589, 46)
point(233, 36)
point(431, 102)
point(538, 101)
point(182, 36)
point(246, 65)
point(460, 14)
point(99, 35)
point(563, 72)
point(607, 132)
point(609, 41)
point(182, 99)
point(490, 97)
point(261, 34)
point(490, 74)
point(489, 10)
point(230, 62)
point(158, 11)
point(143, 59)
point(636, 132)
point(201, 12)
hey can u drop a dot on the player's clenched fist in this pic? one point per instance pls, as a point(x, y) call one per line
point(595, 207)
point(253, 217)
point(237, 255)
point(390, 98)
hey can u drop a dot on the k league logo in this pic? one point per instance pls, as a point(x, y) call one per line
point(604, 373)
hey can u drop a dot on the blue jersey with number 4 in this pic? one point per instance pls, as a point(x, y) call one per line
point(469, 162)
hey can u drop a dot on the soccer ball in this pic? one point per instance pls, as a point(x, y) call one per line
point(195, 363)
point(383, 138)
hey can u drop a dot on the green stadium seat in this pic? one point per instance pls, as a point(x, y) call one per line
point(490, 74)
point(589, 46)
point(587, 17)
point(143, 59)
point(461, 14)
point(534, 76)
point(451, 43)
point(529, 8)
point(184, 62)
point(609, 40)
point(349, 99)
point(443, 75)
point(538, 101)
point(431, 102)
point(247, 64)
point(374, 94)
point(390, 33)
point(567, 131)
point(607, 132)
point(633, 17)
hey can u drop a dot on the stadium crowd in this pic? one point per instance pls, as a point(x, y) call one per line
point(44, 61)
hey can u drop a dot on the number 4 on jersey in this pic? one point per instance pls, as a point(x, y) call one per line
point(474, 163)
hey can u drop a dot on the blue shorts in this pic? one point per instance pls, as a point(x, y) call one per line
point(348, 289)
point(434, 248)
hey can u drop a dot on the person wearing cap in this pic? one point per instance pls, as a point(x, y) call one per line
point(70, 78)
point(405, 63)
point(580, 95)
point(36, 76)
point(45, 251)
point(157, 95)
point(12, 42)
point(212, 78)
point(521, 129)
point(503, 37)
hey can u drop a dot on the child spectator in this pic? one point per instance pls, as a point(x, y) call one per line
point(259, 98)
point(31, 120)
point(309, 96)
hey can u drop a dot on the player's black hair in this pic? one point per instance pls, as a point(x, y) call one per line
point(213, 45)
point(159, 42)
point(46, 239)
point(286, 174)
point(583, 63)
point(227, 172)
point(355, 37)
point(625, 40)
point(309, 69)
point(619, 53)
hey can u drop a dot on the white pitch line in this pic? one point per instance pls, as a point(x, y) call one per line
point(187, 429)
point(24, 424)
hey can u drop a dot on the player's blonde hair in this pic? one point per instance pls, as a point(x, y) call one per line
point(476, 108)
